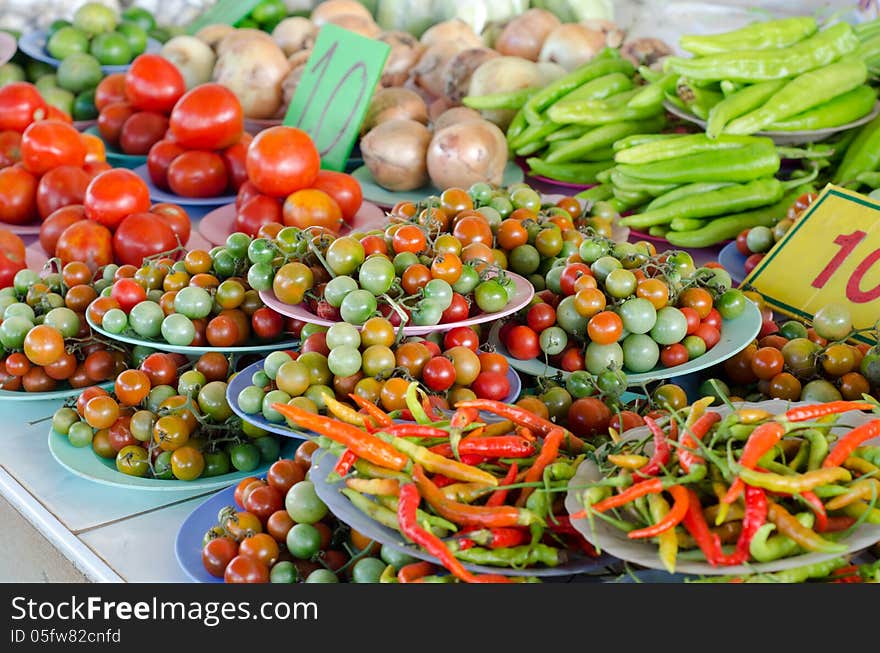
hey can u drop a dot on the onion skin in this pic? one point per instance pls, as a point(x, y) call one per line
point(614, 34)
point(405, 54)
point(453, 116)
point(325, 11)
point(395, 154)
point(254, 70)
point(503, 74)
point(193, 57)
point(213, 34)
point(646, 52)
point(295, 34)
point(524, 35)
point(451, 30)
point(429, 73)
point(357, 24)
point(572, 45)
point(460, 69)
point(467, 153)
point(395, 103)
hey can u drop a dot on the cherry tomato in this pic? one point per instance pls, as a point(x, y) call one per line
point(605, 328)
point(463, 336)
point(438, 374)
point(257, 212)
point(217, 554)
point(522, 343)
point(244, 569)
point(111, 119)
point(588, 417)
point(311, 208)
point(491, 385)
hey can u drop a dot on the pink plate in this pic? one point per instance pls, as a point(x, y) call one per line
point(31, 229)
point(564, 184)
point(524, 293)
point(219, 223)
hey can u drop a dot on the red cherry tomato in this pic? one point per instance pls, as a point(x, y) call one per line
point(111, 89)
point(709, 334)
point(127, 293)
point(160, 157)
point(458, 310)
point(522, 343)
point(571, 273)
point(713, 319)
point(462, 336)
point(491, 385)
point(541, 316)
point(673, 355)
point(256, 212)
point(111, 119)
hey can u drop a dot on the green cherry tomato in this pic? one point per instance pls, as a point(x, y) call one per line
point(377, 275)
point(599, 358)
point(638, 315)
point(274, 397)
point(336, 290)
point(731, 304)
point(115, 321)
point(260, 251)
point(269, 446)
point(63, 419)
point(367, 570)
point(671, 326)
point(612, 383)
point(793, 329)
point(250, 399)
point(237, 244)
point(620, 283)
point(640, 353)
point(833, 322)
point(681, 262)
point(344, 360)
point(341, 334)
point(490, 296)
point(190, 382)
point(344, 255)
point(580, 384)
point(133, 460)
point(303, 504)
point(558, 401)
point(604, 266)
point(178, 330)
point(695, 346)
point(260, 276)
point(216, 463)
point(322, 576)
point(427, 312)
point(80, 434)
point(213, 403)
point(245, 457)
point(553, 279)
point(358, 306)
point(468, 280)
point(193, 302)
point(63, 319)
point(569, 319)
point(403, 261)
point(273, 363)
point(524, 259)
point(283, 572)
point(553, 340)
point(439, 291)
point(146, 318)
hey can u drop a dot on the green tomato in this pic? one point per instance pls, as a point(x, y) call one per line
point(245, 457)
point(714, 388)
point(731, 304)
point(63, 419)
point(620, 283)
point(681, 262)
point(671, 326)
point(24, 279)
point(580, 384)
point(20, 309)
point(553, 340)
point(337, 288)
point(63, 319)
point(395, 557)
point(718, 281)
point(162, 466)
point(193, 302)
point(604, 266)
point(821, 391)
point(178, 330)
point(213, 403)
point(250, 399)
point(139, 16)
point(283, 572)
point(135, 35)
point(342, 334)
point(612, 383)
point(490, 296)
point(274, 397)
point(79, 72)
point(274, 361)
point(640, 353)
point(303, 504)
point(592, 249)
point(80, 435)
point(260, 276)
point(468, 281)
point(216, 463)
point(316, 364)
point(146, 318)
point(695, 346)
point(793, 329)
point(14, 330)
point(833, 322)
point(759, 239)
point(345, 255)
point(553, 279)
point(358, 306)
point(111, 49)
point(66, 41)
point(481, 193)
point(403, 261)
point(344, 360)
point(599, 358)
point(638, 315)
point(309, 329)
point(367, 570)
point(427, 312)
point(439, 291)
point(524, 259)
point(569, 319)
point(558, 401)
point(315, 394)
point(269, 446)
point(158, 395)
point(260, 250)
point(190, 382)
point(322, 576)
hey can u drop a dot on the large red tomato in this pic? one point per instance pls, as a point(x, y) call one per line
point(10, 147)
point(141, 235)
point(18, 196)
point(47, 144)
point(60, 187)
point(246, 192)
point(53, 226)
point(114, 194)
point(160, 157)
point(86, 241)
point(20, 104)
point(11, 257)
point(176, 218)
point(111, 119)
point(197, 173)
point(110, 90)
point(282, 160)
point(256, 212)
point(141, 131)
point(343, 188)
point(234, 158)
point(208, 117)
point(152, 83)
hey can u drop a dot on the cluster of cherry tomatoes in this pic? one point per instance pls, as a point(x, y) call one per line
point(754, 243)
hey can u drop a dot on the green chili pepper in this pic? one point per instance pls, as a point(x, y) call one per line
point(818, 448)
point(758, 36)
point(659, 230)
point(801, 457)
point(591, 112)
point(630, 199)
point(575, 173)
point(863, 154)
point(603, 137)
point(727, 227)
point(626, 183)
point(673, 99)
point(534, 132)
point(372, 509)
point(800, 574)
point(653, 93)
point(699, 100)
point(740, 103)
point(764, 547)
point(761, 65)
point(596, 193)
point(515, 556)
point(864, 30)
point(602, 87)
point(870, 179)
point(516, 126)
point(803, 93)
point(568, 132)
point(739, 197)
point(433, 523)
point(728, 87)
point(841, 110)
point(680, 146)
point(682, 192)
point(858, 509)
point(494, 101)
point(869, 50)
point(641, 139)
point(686, 224)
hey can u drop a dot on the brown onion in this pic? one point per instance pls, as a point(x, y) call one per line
point(524, 35)
point(463, 154)
point(395, 154)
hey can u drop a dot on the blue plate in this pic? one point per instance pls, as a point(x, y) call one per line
point(159, 195)
point(188, 543)
point(116, 158)
point(33, 44)
point(734, 262)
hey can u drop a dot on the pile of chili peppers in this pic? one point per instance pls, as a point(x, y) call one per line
point(464, 490)
point(744, 488)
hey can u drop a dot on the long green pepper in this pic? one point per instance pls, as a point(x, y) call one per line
point(603, 137)
point(758, 36)
point(740, 103)
point(655, 150)
point(843, 109)
point(863, 154)
point(739, 164)
point(688, 190)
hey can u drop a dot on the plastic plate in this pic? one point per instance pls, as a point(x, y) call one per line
point(116, 158)
point(513, 174)
point(63, 393)
point(322, 466)
point(85, 463)
point(524, 293)
point(644, 553)
point(219, 223)
point(734, 262)
point(7, 47)
point(33, 44)
point(783, 137)
point(735, 336)
point(188, 543)
point(190, 350)
point(159, 195)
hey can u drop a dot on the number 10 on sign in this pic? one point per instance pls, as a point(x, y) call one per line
point(831, 254)
point(335, 91)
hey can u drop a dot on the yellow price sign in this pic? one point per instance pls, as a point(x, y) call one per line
point(831, 254)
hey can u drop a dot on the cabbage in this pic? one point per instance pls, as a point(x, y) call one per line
point(574, 11)
point(415, 16)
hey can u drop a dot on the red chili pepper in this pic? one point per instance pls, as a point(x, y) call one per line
point(464, 417)
point(762, 440)
point(549, 453)
point(696, 525)
point(428, 407)
point(848, 443)
point(818, 508)
point(443, 481)
point(807, 413)
point(522, 417)
point(687, 459)
point(839, 523)
point(415, 431)
point(651, 486)
point(473, 459)
point(755, 517)
point(382, 418)
point(662, 450)
point(345, 463)
point(671, 520)
point(413, 571)
point(407, 516)
point(561, 525)
point(494, 538)
point(501, 446)
point(500, 496)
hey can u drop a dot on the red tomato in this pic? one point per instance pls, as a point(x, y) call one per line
point(256, 212)
point(94, 168)
point(47, 144)
point(60, 187)
point(10, 148)
point(267, 324)
point(741, 243)
point(141, 131)
point(752, 261)
point(571, 273)
point(439, 374)
point(111, 119)
point(115, 194)
point(463, 336)
point(217, 554)
point(207, 117)
point(541, 316)
point(176, 218)
point(572, 360)
point(522, 343)
point(57, 222)
point(343, 188)
point(312, 208)
point(197, 173)
point(692, 317)
point(12, 257)
point(20, 104)
point(263, 501)
point(281, 160)
point(127, 293)
point(713, 319)
point(234, 158)
point(458, 310)
point(152, 83)
point(588, 417)
point(246, 192)
point(18, 196)
point(110, 90)
point(86, 241)
point(673, 355)
point(709, 334)
point(141, 235)
point(242, 569)
point(491, 385)
point(160, 157)
point(625, 420)
point(54, 113)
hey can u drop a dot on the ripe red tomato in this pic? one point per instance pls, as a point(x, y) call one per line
point(234, 158)
point(626, 420)
point(572, 360)
point(256, 212)
point(522, 343)
point(713, 319)
point(47, 144)
point(266, 323)
point(86, 241)
point(111, 119)
point(61, 186)
point(176, 218)
point(343, 188)
point(54, 113)
point(463, 336)
point(197, 173)
point(20, 104)
point(141, 131)
point(458, 310)
point(57, 222)
point(115, 194)
point(674, 355)
point(312, 208)
point(207, 117)
point(141, 235)
point(571, 273)
point(127, 293)
point(541, 316)
point(284, 474)
point(10, 148)
point(709, 334)
point(152, 83)
point(281, 160)
point(242, 569)
point(588, 417)
point(160, 157)
point(491, 385)
point(18, 196)
point(217, 554)
point(439, 374)
point(263, 501)
point(12, 257)
point(110, 90)
point(246, 192)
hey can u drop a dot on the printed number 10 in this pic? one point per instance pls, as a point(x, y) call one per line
point(854, 292)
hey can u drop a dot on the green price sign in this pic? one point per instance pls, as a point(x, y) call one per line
point(335, 91)
point(225, 12)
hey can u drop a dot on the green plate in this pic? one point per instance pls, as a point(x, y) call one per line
point(161, 345)
point(64, 393)
point(85, 463)
point(735, 336)
point(373, 192)
point(116, 158)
